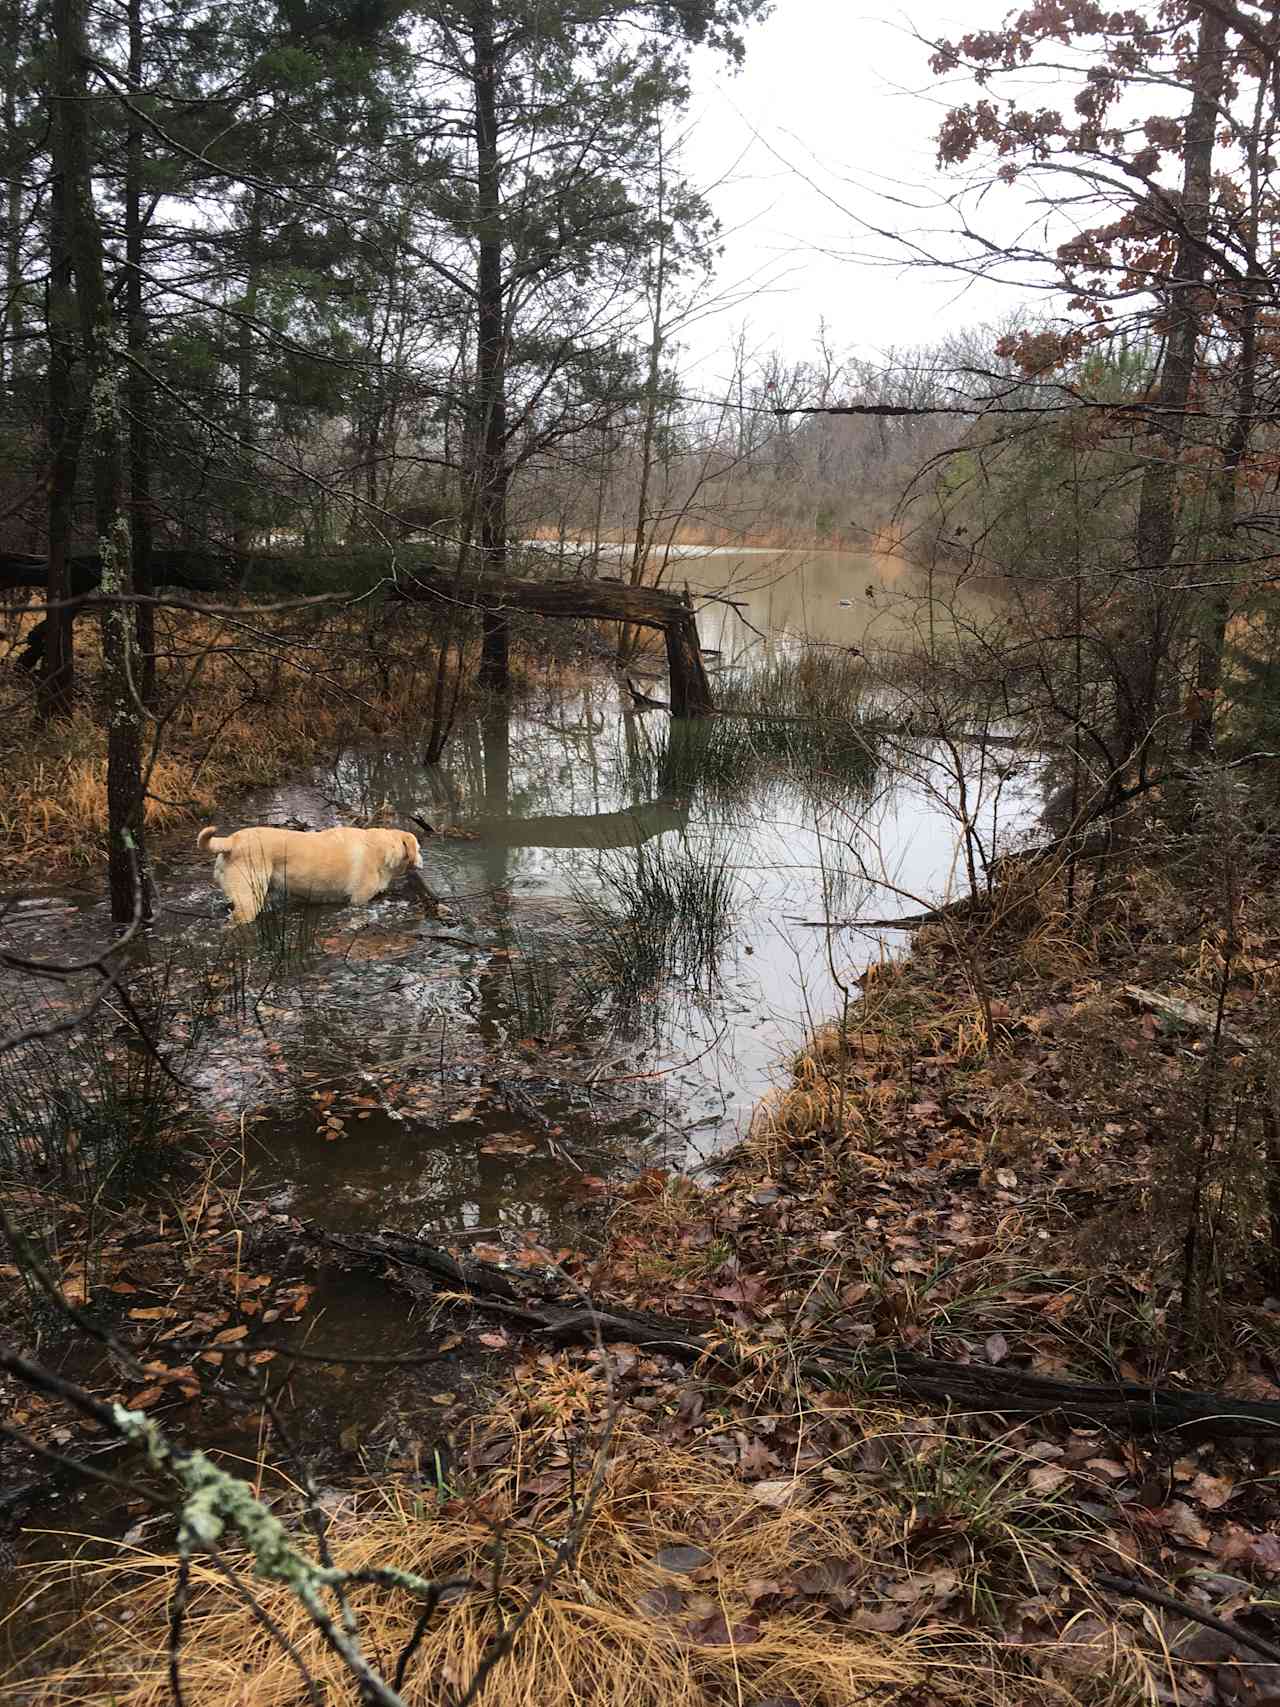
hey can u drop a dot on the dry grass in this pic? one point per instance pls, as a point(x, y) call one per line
point(613, 1627)
point(240, 705)
point(848, 1076)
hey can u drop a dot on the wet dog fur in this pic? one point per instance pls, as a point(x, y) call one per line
point(310, 865)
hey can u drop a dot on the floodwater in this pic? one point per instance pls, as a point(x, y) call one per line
point(483, 1075)
point(487, 1074)
point(467, 1073)
point(872, 600)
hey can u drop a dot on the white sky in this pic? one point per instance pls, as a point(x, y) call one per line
point(843, 98)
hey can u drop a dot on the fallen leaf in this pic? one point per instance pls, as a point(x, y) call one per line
point(886, 1622)
point(1213, 1492)
point(716, 1632)
point(780, 1494)
point(755, 1459)
point(681, 1560)
point(997, 1348)
point(1180, 1520)
point(664, 1601)
point(1046, 1479)
point(1110, 1469)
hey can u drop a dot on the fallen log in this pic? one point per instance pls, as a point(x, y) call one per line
point(1121, 1405)
point(626, 829)
point(194, 571)
point(593, 601)
point(542, 1308)
point(422, 1270)
point(1004, 869)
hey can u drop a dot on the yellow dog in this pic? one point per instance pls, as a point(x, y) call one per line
point(310, 865)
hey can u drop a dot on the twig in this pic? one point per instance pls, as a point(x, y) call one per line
point(1170, 1603)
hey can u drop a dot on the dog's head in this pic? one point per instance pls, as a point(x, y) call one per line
point(412, 852)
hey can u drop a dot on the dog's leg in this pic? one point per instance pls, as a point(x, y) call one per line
point(429, 896)
point(364, 892)
point(246, 890)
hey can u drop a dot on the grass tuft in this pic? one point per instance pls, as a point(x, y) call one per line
point(749, 1624)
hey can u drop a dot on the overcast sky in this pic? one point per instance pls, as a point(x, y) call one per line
point(844, 111)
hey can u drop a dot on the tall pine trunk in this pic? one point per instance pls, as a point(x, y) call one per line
point(491, 473)
point(127, 873)
point(653, 376)
point(1158, 498)
point(247, 366)
point(139, 399)
point(13, 197)
point(1216, 608)
point(56, 684)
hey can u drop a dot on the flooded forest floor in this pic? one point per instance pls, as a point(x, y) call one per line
point(726, 1398)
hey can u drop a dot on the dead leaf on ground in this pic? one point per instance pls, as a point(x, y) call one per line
point(1046, 1478)
point(664, 1601)
point(779, 1494)
point(681, 1560)
point(717, 1632)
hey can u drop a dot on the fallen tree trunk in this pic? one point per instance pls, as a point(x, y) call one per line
point(530, 1306)
point(1188, 1014)
point(626, 829)
point(1004, 869)
point(592, 601)
point(194, 571)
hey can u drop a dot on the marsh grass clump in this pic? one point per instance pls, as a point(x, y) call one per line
point(826, 684)
point(90, 1120)
point(801, 720)
point(531, 985)
point(662, 913)
point(89, 1115)
point(285, 935)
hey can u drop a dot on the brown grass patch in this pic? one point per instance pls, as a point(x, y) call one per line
point(614, 1626)
point(241, 704)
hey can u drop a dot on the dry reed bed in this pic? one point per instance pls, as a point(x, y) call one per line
point(613, 1626)
point(241, 703)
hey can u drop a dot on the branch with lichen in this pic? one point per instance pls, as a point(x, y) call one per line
point(216, 1502)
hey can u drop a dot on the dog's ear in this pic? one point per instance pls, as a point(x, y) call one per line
point(412, 852)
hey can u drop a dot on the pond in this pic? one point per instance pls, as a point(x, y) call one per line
point(645, 919)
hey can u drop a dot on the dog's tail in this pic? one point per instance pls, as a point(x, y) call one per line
point(209, 841)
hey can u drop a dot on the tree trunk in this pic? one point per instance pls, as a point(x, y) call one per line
point(492, 473)
point(139, 400)
point(690, 689)
point(12, 322)
point(640, 549)
point(558, 1317)
point(1216, 608)
point(56, 684)
point(246, 420)
point(1158, 499)
point(126, 848)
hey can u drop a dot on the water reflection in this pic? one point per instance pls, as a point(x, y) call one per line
point(633, 949)
point(587, 799)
